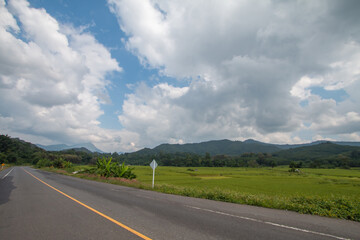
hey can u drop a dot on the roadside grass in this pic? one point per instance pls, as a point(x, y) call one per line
point(324, 192)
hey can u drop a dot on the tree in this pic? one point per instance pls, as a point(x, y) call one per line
point(253, 163)
point(207, 160)
point(272, 164)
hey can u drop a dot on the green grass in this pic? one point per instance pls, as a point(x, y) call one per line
point(325, 192)
point(272, 182)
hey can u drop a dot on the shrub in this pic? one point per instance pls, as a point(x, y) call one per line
point(107, 168)
point(67, 164)
point(58, 163)
point(44, 163)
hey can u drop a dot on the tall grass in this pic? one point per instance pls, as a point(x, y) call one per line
point(338, 207)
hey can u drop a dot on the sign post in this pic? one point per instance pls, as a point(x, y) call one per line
point(153, 165)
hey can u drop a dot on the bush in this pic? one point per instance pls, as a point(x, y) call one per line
point(107, 168)
point(58, 163)
point(44, 163)
point(67, 164)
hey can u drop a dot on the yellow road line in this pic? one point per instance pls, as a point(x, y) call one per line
point(94, 210)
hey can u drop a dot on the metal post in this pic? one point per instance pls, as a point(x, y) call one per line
point(153, 178)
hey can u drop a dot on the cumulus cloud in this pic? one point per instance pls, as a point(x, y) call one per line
point(250, 64)
point(50, 77)
point(245, 69)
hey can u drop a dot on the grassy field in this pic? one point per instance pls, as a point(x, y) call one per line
point(272, 182)
point(325, 192)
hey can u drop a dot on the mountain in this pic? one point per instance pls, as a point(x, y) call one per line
point(15, 150)
point(216, 147)
point(59, 147)
point(357, 144)
point(289, 146)
point(316, 151)
point(232, 148)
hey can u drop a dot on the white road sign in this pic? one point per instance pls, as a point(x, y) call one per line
point(153, 164)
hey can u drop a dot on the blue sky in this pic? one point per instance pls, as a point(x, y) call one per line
point(131, 74)
point(96, 16)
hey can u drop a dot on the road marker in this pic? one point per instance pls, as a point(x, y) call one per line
point(94, 210)
point(8, 173)
point(153, 165)
point(268, 223)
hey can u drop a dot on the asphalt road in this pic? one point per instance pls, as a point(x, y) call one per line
point(41, 205)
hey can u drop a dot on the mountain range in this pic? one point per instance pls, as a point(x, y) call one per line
point(232, 148)
point(60, 147)
point(214, 147)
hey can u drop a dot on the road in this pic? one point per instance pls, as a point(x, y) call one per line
point(40, 205)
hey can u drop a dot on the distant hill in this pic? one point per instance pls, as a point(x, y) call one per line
point(317, 151)
point(289, 146)
point(61, 147)
point(15, 150)
point(222, 153)
point(357, 144)
point(215, 147)
point(75, 150)
point(232, 148)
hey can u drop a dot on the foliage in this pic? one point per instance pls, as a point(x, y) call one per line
point(325, 192)
point(67, 164)
point(325, 155)
point(294, 166)
point(44, 163)
point(58, 163)
point(16, 151)
point(106, 168)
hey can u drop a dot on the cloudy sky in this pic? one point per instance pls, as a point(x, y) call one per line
point(128, 74)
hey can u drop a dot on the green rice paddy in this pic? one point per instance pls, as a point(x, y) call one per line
point(272, 182)
point(324, 192)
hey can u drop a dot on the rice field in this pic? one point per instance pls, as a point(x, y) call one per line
point(324, 192)
point(267, 181)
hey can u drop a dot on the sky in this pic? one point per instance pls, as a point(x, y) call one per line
point(129, 74)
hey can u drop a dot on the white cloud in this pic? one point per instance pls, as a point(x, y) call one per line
point(247, 67)
point(250, 65)
point(50, 78)
point(301, 88)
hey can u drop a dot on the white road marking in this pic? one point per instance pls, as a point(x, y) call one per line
point(269, 223)
point(7, 173)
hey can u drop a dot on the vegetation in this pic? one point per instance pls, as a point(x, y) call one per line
point(16, 151)
point(107, 168)
point(324, 155)
point(219, 147)
point(325, 192)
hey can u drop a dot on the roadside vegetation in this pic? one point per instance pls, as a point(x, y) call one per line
point(324, 192)
point(104, 168)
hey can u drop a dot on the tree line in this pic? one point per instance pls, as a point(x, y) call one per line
point(16, 151)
